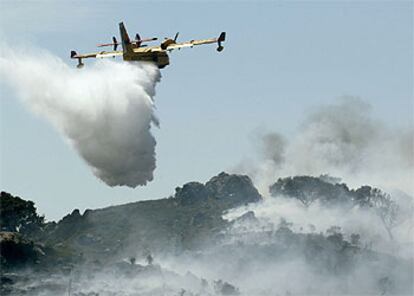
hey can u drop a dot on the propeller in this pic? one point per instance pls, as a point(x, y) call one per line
point(176, 36)
point(115, 42)
point(137, 41)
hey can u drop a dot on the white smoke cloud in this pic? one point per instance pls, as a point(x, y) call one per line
point(317, 218)
point(104, 110)
point(342, 139)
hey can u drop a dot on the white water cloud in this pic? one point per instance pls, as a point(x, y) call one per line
point(104, 110)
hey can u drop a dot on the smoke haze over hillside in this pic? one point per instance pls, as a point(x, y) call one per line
point(341, 139)
point(104, 110)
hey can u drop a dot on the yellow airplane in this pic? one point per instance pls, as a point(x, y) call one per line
point(135, 50)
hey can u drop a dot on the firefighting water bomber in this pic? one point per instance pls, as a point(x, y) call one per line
point(136, 50)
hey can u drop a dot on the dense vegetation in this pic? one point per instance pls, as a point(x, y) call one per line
point(18, 215)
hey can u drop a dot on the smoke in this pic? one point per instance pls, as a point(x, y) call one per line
point(105, 111)
point(341, 139)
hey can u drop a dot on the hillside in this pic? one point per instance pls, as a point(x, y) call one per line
point(217, 238)
point(173, 224)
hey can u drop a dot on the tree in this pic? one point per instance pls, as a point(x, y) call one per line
point(355, 239)
point(132, 260)
point(308, 189)
point(386, 208)
point(383, 205)
point(149, 259)
point(224, 288)
point(18, 215)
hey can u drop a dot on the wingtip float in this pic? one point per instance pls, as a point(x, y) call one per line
point(136, 50)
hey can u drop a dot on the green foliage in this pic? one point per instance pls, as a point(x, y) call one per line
point(18, 215)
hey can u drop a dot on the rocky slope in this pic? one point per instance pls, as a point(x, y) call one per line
point(180, 222)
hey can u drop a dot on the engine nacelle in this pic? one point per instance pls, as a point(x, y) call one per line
point(167, 43)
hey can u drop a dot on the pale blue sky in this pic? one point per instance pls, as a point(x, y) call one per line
point(281, 59)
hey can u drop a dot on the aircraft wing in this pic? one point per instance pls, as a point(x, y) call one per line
point(102, 54)
point(109, 54)
point(98, 55)
point(192, 43)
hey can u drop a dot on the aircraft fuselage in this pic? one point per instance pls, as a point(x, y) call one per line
point(160, 58)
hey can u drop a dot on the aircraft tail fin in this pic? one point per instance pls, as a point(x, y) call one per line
point(126, 42)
